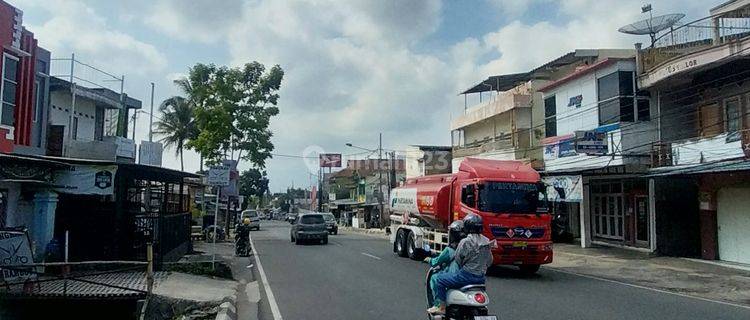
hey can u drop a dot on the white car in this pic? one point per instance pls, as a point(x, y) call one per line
point(254, 218)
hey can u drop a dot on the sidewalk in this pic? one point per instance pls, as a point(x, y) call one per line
point(677, 275)
point(372, 232)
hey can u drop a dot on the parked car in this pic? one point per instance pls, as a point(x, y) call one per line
point(254, 218)
point(331, 225)
point(309, 226)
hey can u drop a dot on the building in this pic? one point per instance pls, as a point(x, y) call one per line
point(99, 114)
point(24, 68)
point(356, 189)
point(424, 160)
point(509, 120)
point(698, 78)
point(598, 132)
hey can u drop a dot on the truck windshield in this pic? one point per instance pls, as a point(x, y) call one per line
point(508, 197)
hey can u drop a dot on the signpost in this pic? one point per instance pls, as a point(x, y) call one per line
point(218, 176)
point(591, 142)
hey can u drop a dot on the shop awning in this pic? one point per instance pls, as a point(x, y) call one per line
point(705, 168)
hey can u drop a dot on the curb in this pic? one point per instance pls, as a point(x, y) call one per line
point(372, 232)
point(227, 308)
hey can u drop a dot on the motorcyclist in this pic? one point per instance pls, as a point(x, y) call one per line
point(473, 256)
point(243, 236)
point(445, 260)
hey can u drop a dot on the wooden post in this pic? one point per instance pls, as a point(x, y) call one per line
point(150, 267)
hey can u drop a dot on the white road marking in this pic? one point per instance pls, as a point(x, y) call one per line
point(371, 256)
point(650, 289)
point(266, 287)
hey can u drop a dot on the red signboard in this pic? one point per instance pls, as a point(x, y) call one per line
point(330, 160)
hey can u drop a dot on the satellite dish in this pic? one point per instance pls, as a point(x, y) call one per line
point(653, 25)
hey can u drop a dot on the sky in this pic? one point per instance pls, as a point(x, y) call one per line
point(353, 69)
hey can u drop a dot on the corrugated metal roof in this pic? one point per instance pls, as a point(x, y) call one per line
point(98, 286)
point(713, 167)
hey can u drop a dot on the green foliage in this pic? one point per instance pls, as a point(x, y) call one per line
point(253, 184)
point(202, 269)
point(177, 125)
point(233, 110)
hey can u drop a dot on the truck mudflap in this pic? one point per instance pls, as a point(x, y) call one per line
point(522, 253)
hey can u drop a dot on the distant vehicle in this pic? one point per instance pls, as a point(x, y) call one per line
point(291, 217)
point(309, 226)
point(331, 225)
point(254, 218)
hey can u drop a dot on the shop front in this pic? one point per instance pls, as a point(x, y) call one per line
point(620, 211)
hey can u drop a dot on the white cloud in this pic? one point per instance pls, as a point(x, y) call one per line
point(201, 20)
point(75, 27)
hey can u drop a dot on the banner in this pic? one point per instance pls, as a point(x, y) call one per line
point(564, 188)
point(404, 200)
point(87, 179)
point(15, 249)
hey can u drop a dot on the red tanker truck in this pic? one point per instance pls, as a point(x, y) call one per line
point(507, 194)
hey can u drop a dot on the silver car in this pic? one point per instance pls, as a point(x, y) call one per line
point(254, 218)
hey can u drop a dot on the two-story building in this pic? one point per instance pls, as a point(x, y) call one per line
point(93, 130)
point(698, 75)
point(598, 132)
point(509, 120)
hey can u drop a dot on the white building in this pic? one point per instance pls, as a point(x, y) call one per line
point(424, 160)
point(598, 133)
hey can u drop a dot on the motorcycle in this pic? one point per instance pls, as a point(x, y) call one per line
point(467, 303)
point(241, 247)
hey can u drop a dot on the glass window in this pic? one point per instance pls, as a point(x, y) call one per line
point(312, 219)
point(644, 110)
point(9, 92)
point(550, 118)
point(732, 114)
point(615, 96)
point(467, 195)
point(508, 197)
point(10, 67)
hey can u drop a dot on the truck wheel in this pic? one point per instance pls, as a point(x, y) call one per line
point(412, 251)
point(528, 269)
point(401, 243)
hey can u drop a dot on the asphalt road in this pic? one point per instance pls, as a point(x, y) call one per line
point(358, 277)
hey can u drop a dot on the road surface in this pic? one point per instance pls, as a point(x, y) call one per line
point(358, 277)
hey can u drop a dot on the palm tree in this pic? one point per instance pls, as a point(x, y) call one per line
point(177, 125)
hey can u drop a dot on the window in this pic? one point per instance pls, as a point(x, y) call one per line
point(312, 219)
point(468, 197)
point(710, 120)
point(732, 114)
point(550, 117)
point(9, 85)
point(615, 95)
point(508, 197)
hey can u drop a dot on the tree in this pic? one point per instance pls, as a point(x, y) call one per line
point(253, 183)
point(233, 110)
point(177, 125)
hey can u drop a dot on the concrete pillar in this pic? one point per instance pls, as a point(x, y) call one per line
point(43, 228)
point(585, 217)
point(652, 214)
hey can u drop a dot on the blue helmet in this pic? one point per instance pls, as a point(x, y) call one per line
point(473, 224)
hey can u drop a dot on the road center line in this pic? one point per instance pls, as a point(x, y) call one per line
point(647, 288)
point(371, 256)
point(266, 286)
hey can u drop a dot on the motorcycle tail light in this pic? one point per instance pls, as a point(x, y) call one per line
point(480, 298)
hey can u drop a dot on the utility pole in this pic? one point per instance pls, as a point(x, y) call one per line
point(151, 121)
point(380, 182)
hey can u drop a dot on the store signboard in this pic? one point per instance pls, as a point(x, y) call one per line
point(15, 251)
point(591, 142)
point(564, 188)
point(86, 179)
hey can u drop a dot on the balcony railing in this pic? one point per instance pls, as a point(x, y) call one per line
point(503, 102)
point(501, 142)
point(694, 36)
